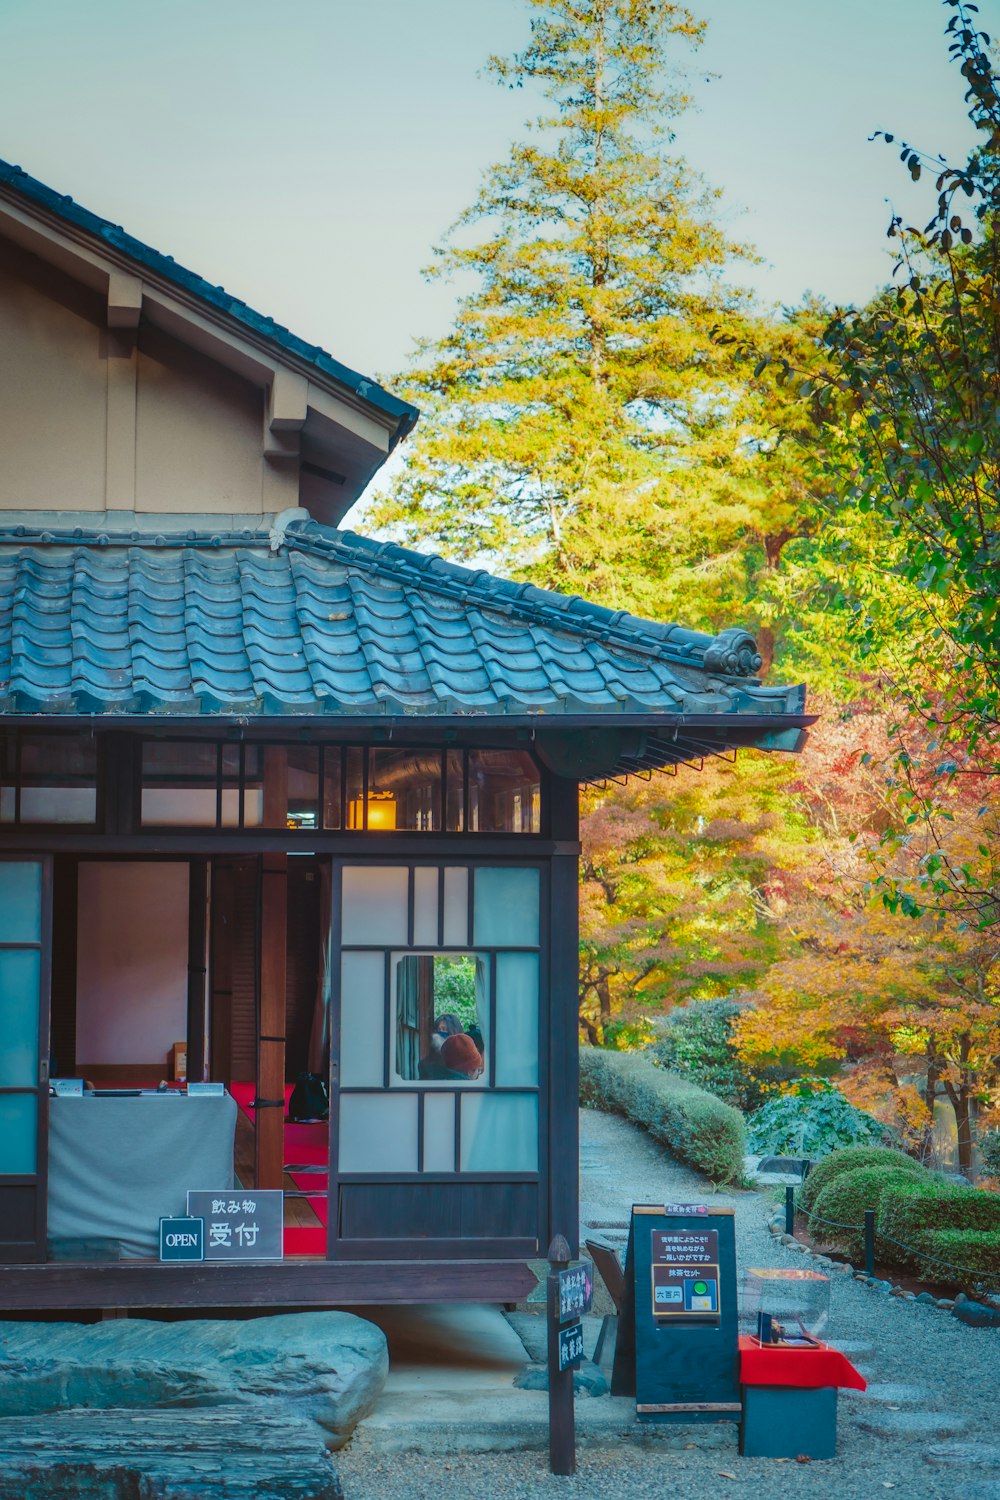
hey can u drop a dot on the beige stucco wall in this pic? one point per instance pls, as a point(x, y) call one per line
point(53, 390)
point(93, 418)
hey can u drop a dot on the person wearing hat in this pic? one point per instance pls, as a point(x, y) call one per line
point(462, 1058)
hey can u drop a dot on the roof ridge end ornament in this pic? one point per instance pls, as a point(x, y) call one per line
point(733, 652)
point(281, 523)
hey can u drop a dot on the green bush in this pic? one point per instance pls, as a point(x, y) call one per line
point(975, 1251)
point(848, 1159)
point(844, 1200)
point(911, 1214)
point(696, 1127)
point(697, 1042)
point(813, 1119)
point(989, 1151)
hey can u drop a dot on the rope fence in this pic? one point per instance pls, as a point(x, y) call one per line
point(872, 1233)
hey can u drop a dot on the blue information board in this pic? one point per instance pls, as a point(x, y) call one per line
point(677, 1350)
point(182, 1238)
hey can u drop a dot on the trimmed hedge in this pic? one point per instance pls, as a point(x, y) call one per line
point(913, 1213)
point(849, 1159)
point(845, 1199)
point(695, 1126)
point(973, 1250)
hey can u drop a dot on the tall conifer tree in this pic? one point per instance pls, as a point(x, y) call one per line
point(580, 421)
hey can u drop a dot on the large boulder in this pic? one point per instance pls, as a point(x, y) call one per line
point(327, 1366)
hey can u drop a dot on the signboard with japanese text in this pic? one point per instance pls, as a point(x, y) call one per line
point(245, 1224)
point(676, 1349)
point(576, 1291)
point(570, 1345)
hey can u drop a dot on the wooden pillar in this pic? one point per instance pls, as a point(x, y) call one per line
point(197, 986)
point(221, 943)
point(564, 1002)
point(270, 1113)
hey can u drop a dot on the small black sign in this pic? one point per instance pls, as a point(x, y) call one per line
point(576, 1292)
point(245, 1224)
point(182, 1239)
point(570, 1345)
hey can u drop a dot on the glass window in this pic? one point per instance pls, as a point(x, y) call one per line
point(354, 786)
point(441, 1014)
point(287, 789)
point(499, 1133)
point(8, 775)
point(504, 792)
point(375, 905)
point(58, 778)
point(454, 816)
point(332, 777)
point(20, 901)
point(404, 789)
point(506, 908)
point(18, 1133)
point(378, 1132)
point(179, 783)
point(231, 785)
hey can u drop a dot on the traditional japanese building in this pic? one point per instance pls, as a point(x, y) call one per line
point(278, 799)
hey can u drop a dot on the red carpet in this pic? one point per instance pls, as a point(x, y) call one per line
point(305, 1146)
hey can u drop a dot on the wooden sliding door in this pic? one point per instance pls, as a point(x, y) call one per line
point(25, 973)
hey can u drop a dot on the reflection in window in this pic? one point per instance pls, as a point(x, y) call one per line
point(404, 789)
point(504, 792)
point(58, 778)
point(179, 783)
point(442, 1019)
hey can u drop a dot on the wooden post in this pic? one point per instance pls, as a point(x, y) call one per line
point(270, 1114)
point(562, 1418)
point(197, 987)
point(789, 1209)
point(869, 1242)
point(563, 1145)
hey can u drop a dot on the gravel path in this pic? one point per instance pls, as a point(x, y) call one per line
point(956, 1371)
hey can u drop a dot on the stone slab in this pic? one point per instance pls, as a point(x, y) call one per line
point(891, 1393)
point(259, 1451)
point(325, 1366)
point(915, 1424)
point(516, 1420)
point(975, 1455)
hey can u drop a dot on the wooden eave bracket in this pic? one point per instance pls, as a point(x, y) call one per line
point(124, 300)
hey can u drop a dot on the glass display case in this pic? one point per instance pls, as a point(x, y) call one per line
point(792, 1305)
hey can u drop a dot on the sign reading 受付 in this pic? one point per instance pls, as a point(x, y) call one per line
point(182, 1239)
point(245, 1224)
point(570, 1345)
point(576, 1292)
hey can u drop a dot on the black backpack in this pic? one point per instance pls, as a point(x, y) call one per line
point(309, 1099)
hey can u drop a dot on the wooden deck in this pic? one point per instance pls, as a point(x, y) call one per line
point(290, 1283)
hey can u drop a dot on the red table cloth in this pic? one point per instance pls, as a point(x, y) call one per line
point(775, 1364)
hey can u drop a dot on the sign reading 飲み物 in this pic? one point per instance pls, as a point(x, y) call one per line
point(245, 1224)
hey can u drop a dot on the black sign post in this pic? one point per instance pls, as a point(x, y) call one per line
point(568, 1293)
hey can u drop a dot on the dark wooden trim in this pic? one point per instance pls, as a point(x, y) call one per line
point(333, 1162)
point(269, 1126)
point(197, 985)
point(292, 1283)
point(416, 1249)
point(377, 845)
point(563, 1135)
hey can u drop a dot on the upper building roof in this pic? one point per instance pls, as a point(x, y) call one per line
point(216, 297)
point(309, 622)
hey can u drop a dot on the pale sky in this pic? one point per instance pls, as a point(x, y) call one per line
point(308, 155)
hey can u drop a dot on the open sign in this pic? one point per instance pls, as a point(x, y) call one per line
point(182, 1239)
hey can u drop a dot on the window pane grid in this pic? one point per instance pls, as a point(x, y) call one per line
point(373, 789)
point(48, 778)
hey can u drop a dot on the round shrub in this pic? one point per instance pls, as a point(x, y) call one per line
point(813, 1119)
point(849, 1159)
point(844, 1200)
point(989, 1151)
